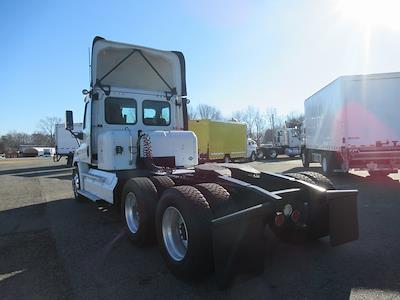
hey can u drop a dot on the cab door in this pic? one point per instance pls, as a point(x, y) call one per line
point(84, 150)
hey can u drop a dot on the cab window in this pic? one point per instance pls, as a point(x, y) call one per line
point(121, 111)
point(156, 113)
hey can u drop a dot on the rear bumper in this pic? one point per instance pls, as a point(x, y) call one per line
point(374, 158)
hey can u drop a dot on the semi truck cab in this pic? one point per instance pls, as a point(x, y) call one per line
point(137, 154)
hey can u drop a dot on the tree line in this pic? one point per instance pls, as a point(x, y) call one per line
point(45, 136)
point(260, 125)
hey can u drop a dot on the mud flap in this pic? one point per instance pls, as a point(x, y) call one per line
point(239, 244)
point(343, 220)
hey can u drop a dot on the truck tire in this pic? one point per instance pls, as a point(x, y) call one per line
point(300, 176)
point(162, 183)
point(327, 164)
point(76, 185)
point(138, 207)
point(183, 226)
point(304, 158)
point(227, 158)
point(253, 156)
point(273, 153)
point(70, 159)
point(217, 197)
point(260, 155)
point(320, 180)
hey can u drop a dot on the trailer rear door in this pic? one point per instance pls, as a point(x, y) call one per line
point(372, 106)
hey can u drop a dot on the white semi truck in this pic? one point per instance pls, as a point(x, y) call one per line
point(137, 154)
point(287, 141)
point(353, 123)
point(66, 142)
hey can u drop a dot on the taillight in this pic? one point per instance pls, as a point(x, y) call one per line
point(295, 216)
point(279, 219)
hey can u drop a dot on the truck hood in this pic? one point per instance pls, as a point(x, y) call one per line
point(139, 67)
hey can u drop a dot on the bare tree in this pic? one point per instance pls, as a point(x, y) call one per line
point(208, 112)
point(12, 140)
point(294, 120)
point(40, 139)
point(260, 123)
point(192, 113)
point(238, 116)
point(48, 126)
point(255, 121)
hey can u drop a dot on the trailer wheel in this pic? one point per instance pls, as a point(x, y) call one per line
point(304, 159)
point(138, 207)
point(327, 164)
point(217, 197)
point(320, 180)
point(183, 228)
point(273, 154)
point(162, 183)
point(76, 185)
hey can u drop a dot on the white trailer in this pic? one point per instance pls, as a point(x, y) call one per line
point(353, 123)
point(66, 142)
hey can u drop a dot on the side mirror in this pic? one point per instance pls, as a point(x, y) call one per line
point(69, 120)
point(79, 135)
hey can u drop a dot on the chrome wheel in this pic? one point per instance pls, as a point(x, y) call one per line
point(131, 212)
point(174, 233)
point(273, 154)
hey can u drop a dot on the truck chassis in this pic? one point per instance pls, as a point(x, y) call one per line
point(214, 217)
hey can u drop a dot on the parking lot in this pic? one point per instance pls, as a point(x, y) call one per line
point(52, 247)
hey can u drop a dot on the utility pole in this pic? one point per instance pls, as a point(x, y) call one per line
point(273, 128)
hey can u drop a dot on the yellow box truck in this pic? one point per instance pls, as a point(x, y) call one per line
point(219, 140)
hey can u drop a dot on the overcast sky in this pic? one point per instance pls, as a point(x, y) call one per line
point(238, 53)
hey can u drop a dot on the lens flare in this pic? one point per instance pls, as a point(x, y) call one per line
point(371, 14)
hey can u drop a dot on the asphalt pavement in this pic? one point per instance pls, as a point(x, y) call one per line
point(52, 247)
